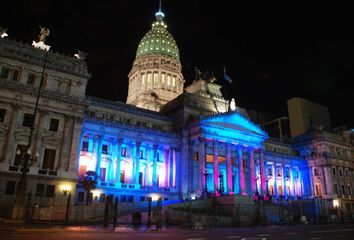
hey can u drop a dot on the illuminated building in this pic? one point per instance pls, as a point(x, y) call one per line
point(167, 141)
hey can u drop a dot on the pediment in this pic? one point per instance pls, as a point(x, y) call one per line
point(233, 121)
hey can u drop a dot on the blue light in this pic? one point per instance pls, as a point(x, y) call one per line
point(233, 127)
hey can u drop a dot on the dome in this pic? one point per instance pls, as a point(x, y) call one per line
point(158, 41)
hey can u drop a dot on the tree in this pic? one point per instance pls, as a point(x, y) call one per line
point(89, 181)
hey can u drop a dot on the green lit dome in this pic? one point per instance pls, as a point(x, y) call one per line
point(158, 41)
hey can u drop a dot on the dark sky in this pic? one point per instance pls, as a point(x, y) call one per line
point(272, 50)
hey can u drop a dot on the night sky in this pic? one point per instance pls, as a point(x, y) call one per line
point(272, 50)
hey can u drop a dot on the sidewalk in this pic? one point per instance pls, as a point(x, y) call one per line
point(97, 228)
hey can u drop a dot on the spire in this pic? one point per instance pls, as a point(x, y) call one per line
point(159, 15)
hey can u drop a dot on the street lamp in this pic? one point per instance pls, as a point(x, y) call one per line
point(205, 173)
point(19, 209)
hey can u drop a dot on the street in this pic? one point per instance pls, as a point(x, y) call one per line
point(303, 232)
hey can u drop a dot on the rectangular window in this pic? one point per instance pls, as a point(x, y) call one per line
point(168, 80)
point(4, 73)
point(140, 178)
point(15, 74)
point(31, 77)
point(157, 157)
point(349, 190)
point(54, 125)
point(50, 191)
point(163, 78)
point(195, 156)
point(142, 198)
point(2, 114)
point(333, 171)
point(10, 188)
point(141, 154)
point(156, 78)
point(104, 149)
point(335, 188)
point(49, 159)
point(40, 190)
point(143, 78)
point(340, 172)
point(85, 146)
point(343, 190)
point(269, 171)
point(173, 81)
point(27, 120)
point(316, 172)
point(19, 157)
point(149, 80)
point(124, 152)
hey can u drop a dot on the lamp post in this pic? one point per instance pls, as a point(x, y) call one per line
point(205, 173)
point(19, 209)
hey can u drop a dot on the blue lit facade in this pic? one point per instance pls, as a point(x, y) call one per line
point(140, 153)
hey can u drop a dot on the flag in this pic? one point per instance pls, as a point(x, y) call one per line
point(226, 77)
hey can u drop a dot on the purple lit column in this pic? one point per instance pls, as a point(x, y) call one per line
point(241, 172)
point(216, 165)
point(154, 168)
point(137, 161)
point(167, 153)
point(228, 168)
point(285, 193)
point(261, 160)
point(98, 152)
point(171, 166)
point(146, 178)
point(119, 157)
point(252, 177)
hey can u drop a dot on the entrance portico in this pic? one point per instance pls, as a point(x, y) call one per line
point(227, 144)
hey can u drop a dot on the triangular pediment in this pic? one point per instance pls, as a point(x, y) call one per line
point(231, 127)
point(234, 120)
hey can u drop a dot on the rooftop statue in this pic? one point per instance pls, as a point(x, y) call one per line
point(43, 34)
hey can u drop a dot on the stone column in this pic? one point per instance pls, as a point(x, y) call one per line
point(68, 124)
point(154, 169)
point(252, 176)
point(119, 158)
point(146, 176)
point(313, 189)
point(174, 170)
point(228, 169)
point(201, 164)
point(10, 146)
point(261, 168)
point(216, 165)
point(166, 164)
point(241, 172)
point(73, 155)
point(99, 153)
point(275, 187)
point(171, 166)
point(137, 161)
point(284, 183)
point(113, 159)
